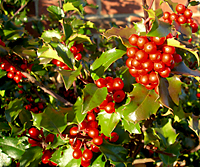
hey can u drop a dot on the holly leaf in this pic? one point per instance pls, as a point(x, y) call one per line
point(193, 3)
point(56, 11)
point(174, 149)
point(69, 7)
point(114, 152)
point(108, 122)
point(3, 51)
point(183, 69)
point(122, 33)
point(142, 104)
point(4, 126)
point(184, 29)
point(13, 147)
point(67, 160)
point(140, 28)
point(2, 73)
point(31, 157)
point(172, 5)
point(174, 88)
point(49, 35)
point(99, 162)
point(13, 109)
point(165, 98)
point(54, 121)
point(100, 65)
point(69, 76)
point(78, 107)
point(80, 38)
point(176, 43)
point(93, 97)
point(5, 160)
point(131, 127)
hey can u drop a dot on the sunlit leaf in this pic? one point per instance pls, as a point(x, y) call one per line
point(98, 162)
point(56, 11)
point(48, 35)
point(121, 33)
point(143, 103)
point(93, 97)
point(5, 160)
point(131, 127)
point(78, 107)
point(69, 7)
point(108, 122)
point(80, 38)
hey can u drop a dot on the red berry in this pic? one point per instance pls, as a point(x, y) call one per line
point(33, 132)
point(188, 13)
point(150, 47)
point(119, 96)
point(73, 131)
point(133, 39)
point(180, 8)
point(77, 154)
point(118, 84)
point(110, 107)
point(87, 154)
point(93, 132)
point(114, 137)
point(97, 140)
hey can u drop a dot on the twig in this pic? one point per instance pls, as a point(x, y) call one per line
point(19, 10)
point(144, 3)
point(151, 3)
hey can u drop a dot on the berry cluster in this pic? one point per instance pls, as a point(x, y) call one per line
point(76, 49)
point(150, 58)
point(59, 63)
point(12, 72)
point(33, 106)
point(115, 92)
point(87, 134)
point(37, 138)
point(183, 15)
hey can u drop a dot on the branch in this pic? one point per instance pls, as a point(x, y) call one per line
point(144, 3)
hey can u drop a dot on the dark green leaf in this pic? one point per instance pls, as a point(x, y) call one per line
point(68, 30)
point(4, 126)
point(2, 73)
point(100, 65)
point(181, 68)
point(13, 109)
point(56, 11)
point(25, 118)
point(55, 121)
point(174, 149)
point(122, 33)
point(114, 152)
point(143, 103)
point(165, 98)
point(12, 147)
point(93, 97)
point(31, 157)
point(193, 3)
point(174, 88)
point(108, 122)
point(69, 76)
point(3, 51)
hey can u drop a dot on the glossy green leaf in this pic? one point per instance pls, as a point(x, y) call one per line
point(193, 3)
point(5, 160)
point(69, 7)
point(165, 98)
point(114, 152)
point(3, 51)
point(78, 107)
point(168, 132)
point(68, 30)
point(143, 103)
point(140, 28)
point(55, 121)
point(67, 159)
point(31, 157)
point(13, 109)
point(122, 33)
point(176, 43)
point(108, 122)
point(80, 38)
point(65, 54)
point(131, 127)
point(56, 11)
point(13, 147)
point(4, 126)
point(174, 88)
point(174, 149)
point(2, 73)
point(183, 69)
point(48, 35)
point(69, 76)
point(100, 65)
point(13, 34)
point(93, 97)
point(98, 162)
point(25, 118)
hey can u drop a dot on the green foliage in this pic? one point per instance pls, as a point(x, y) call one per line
point(58, 91)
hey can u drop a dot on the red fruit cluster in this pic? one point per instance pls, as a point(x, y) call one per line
point(87, 135)
point(37, 138)
point(33, 106)
point(76, 49)
point(150, 58)
point(115, 89)
point(183, 15)
point(59, 63)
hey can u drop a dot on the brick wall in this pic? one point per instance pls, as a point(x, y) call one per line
point(120, 12)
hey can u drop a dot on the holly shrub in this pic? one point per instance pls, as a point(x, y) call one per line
point(76, 95)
